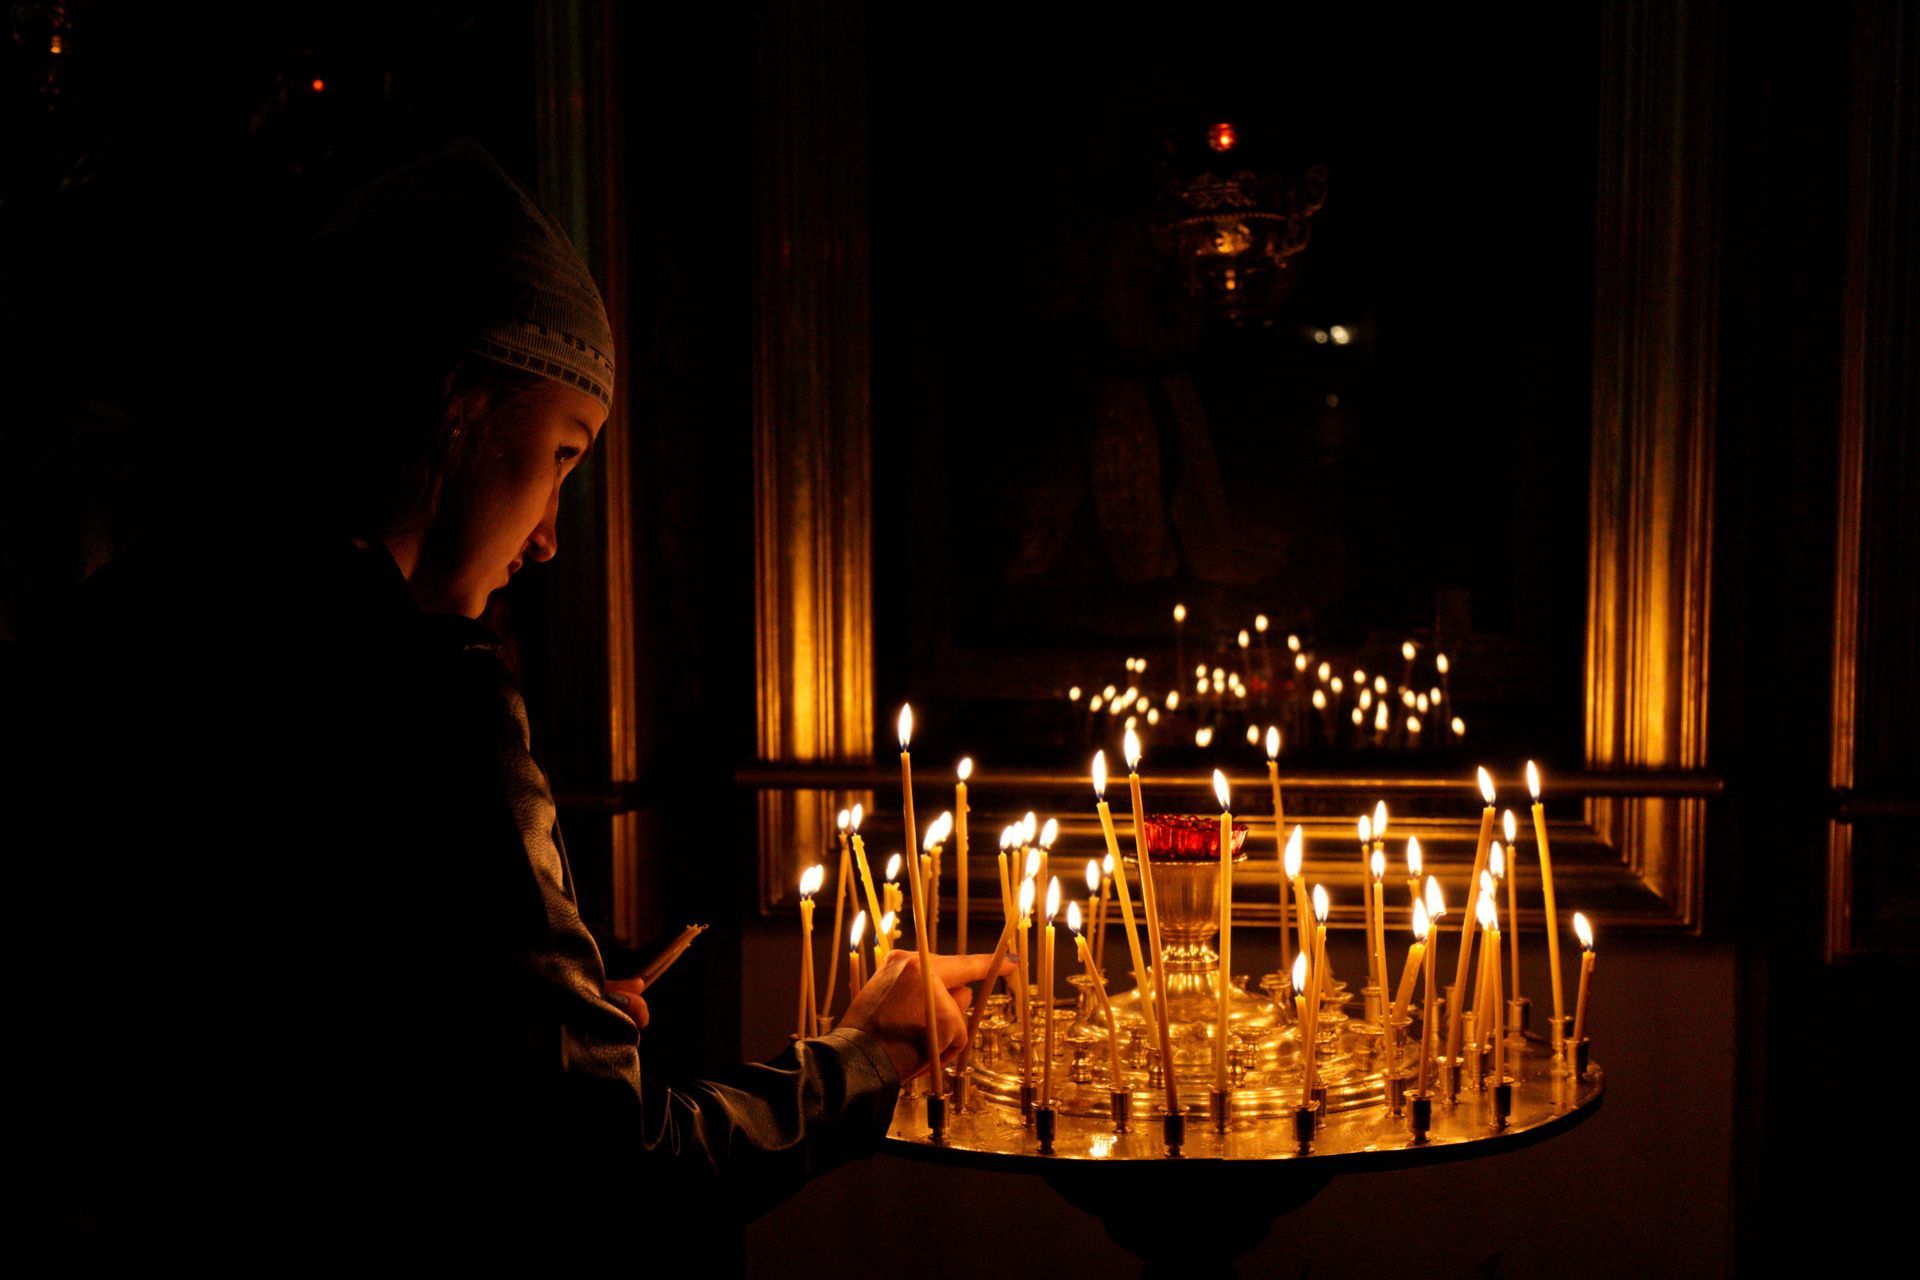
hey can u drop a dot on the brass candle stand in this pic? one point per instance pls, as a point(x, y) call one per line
point(1104, 1143)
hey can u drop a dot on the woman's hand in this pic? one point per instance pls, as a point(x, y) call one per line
point(892, 1009)
point(625, 993)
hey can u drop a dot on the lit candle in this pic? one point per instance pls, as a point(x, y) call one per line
point(1585, 934)
point(1290, 864)
point(1119, 879)
point(866, 879)
point(1466, 918)
point(1046, 995)
point(1025, 1008)
point(893, 902)
point(1179, 638)
point(1374, 978)
point(1303, 1022)
point(1490, 925)
point(1132, 747)
point(1226, 929)
point(937, 832)
point(1416, 954)
point(922, 926)
point(1546, 896)
point(1379, 869)
point(1413, 869)
point(1318, 985)
point(1048, 834)
point(1430, 1029)
point(856, 975)
point(1114, 1079)
point(965, 771)
point(842, 889)
point(1279, 840)
point(1512, 830)
point(1096, 895)
point(810, 881)
point(1497, 871)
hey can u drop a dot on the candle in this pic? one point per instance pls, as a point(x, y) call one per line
point(856, 979)
point(1046, 994)
point(1303, 1021)
point(1290, 864)
point(1024, 1007)
point(1585, 932)
point(1132, 748)
point(922, 926)
point(1379, 869)
point(1489, 919)
point(1096, 885)
point(1179, 638)
point(986, 985)
point(937, 832)
point(1374, 980)
point(810, 882)
point(1279, 840)
point(1466, 919)
point(1512, 830)
point(893, 901)
point(965, 771)
point(866, 879)
point(1048, 834)
point(842, 889)
point(1119, 879)
point(1413, 869)
point(1416, 954)
point(1114, 1079)
point(1546, 896)
point(1496, 872)
point(1226, 930)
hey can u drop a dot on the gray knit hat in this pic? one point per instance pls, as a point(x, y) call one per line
point(450, 251)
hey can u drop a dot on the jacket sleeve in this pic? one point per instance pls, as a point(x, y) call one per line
point(746, 1138)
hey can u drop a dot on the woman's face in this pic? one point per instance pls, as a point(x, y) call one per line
point(498, 511)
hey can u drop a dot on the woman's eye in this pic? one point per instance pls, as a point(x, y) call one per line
point(566, 453)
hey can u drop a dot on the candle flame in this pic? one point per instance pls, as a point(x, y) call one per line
point(1380, 820)
point(1173, 699)
point(1379, 865)
point(1486, 786)
point(1407, 699)
point(1033, 863)
point(1380, 717)
point(1497, 861)
point(1300, 971)
point(811, 879)
point(1049, 833)
point(1319, 699)
point(1153, 715)
point(1359, 676)
point(1583, 930)
point(1131, 748)
point(893, 867)
point(1028, 826)
point(1486, 883)
point(1321, 903)
point(937, 831)
point(1244, 638)
point(1260, 623)
point(1337, 685)
point(1293, 643)
point(1299, 661)
point(843, 819)
point(1220, 790)
point(1026, 898)
point(1483, 910)
point(1073, 694)
point(1203, 736)
point(1094, 703)
point(1106, 865)
point(1380, 685)
point(858, 813)
point(1359, 717)
point(1292, 858)
point(1459, 727)
point(1323, 671)
point(1110, 692)
point(1179, 613)
point(1253, 735)
point(1422, 923)
point(1413, 856)
point(1440, 661)
point(1143, 705)
point(1006, 838)
point(1100, 775)
point(1436, 901)
point(1093, 876)
point(1365, 702)
point(1273, 742)
point(965, 769)
point(1406, 650)
point(1073, 916)
point(1053, 897)
point(1435, 695)
point(906, 724)
point(1509, 825)
point(1533, 780)
point(1422, 704)
point(1366, 829)
point(858, 931)
point(1413, 724)
point(887, 922)
point(1201, 671)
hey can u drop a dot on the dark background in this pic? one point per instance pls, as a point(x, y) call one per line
point(157, 173)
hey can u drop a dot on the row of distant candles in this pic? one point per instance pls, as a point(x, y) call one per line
point(1032, 845)
point(1373, 697)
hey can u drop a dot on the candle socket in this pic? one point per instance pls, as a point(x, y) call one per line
point(1080, 1070)
point(1396, 1094)
point(937, 1116)
point(1122, 1103)
point(1502, 1101)
point(1156, 1077)
point(1173, 1131)
point(1304, 1122)
point(1557, 1031)
point(1450, 1072)
point(962, 1092)
point(1519, 1015)
point(1374, 1001)
point(1043, 1129)
point(1222, 1108)
point(1420, 1113)
point(1578, 1050)
point(1026, 1106)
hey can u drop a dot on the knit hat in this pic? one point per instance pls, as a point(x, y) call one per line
point(451, 252)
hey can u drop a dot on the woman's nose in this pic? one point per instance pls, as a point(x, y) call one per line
point(546, 540)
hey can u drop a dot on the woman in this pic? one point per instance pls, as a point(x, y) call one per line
point(381, 1011)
